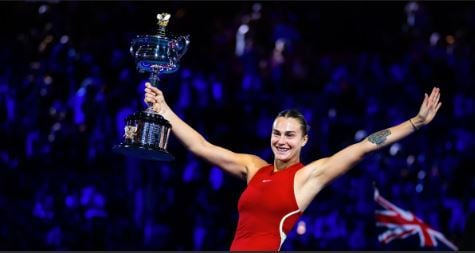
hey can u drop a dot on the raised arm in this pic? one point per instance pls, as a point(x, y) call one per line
point(241, 165)
point(319, 173)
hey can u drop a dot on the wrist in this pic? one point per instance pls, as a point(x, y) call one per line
point(166, 112)
point(417, 122)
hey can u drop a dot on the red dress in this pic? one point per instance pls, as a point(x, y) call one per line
point(267, 210)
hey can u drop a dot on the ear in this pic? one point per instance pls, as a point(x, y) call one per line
point(305, 139)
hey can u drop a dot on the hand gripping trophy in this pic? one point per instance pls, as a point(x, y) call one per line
point(146, 133)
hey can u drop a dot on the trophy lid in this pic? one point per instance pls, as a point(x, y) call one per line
point(163, 19)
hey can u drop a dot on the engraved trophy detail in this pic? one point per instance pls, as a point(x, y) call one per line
point(146, 133)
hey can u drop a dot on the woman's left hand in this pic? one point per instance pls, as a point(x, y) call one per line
point(429, 106)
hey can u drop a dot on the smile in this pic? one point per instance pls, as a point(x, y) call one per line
point(282, 150)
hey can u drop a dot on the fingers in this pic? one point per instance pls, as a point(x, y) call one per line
point(434, 97)
point(154, 101)
point(150, 98)
point(438, 106)
point(154, 97)
point(433, 94)
point(152, 89)
point(426, 100)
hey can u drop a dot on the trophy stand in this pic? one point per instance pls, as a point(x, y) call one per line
point(146, 133)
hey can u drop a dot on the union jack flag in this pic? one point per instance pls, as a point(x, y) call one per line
point(402, 224)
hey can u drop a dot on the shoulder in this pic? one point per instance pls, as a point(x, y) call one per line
point(310, 171)
point(254, 164)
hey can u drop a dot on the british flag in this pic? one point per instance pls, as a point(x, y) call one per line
point(402, 224)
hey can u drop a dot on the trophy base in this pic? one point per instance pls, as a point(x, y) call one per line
point(143, 152)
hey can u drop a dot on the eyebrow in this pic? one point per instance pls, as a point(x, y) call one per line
point(287, 132)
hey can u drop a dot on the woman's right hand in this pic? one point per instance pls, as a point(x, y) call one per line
point(154, 97)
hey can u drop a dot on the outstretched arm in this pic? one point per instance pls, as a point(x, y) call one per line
point(327, 169)
point(241, 165)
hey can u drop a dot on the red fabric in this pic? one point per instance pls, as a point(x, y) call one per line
point(268, 197)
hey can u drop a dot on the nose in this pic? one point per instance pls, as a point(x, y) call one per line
point(281, 140)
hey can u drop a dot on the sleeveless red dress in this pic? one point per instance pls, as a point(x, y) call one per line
point(267, 210)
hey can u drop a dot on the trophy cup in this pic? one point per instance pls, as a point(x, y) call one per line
point(146, 133)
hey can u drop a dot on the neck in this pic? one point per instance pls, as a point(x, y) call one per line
point(280, 165)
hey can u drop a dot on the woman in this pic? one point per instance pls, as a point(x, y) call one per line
point(278, 193)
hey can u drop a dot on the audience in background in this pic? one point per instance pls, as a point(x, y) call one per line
point(67, 82)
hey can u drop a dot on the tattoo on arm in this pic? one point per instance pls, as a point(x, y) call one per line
point(379, 138)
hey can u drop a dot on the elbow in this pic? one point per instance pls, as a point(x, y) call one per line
point(197, 147)
point(194, 146)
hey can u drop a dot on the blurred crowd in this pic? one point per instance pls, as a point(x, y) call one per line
point(68, 81)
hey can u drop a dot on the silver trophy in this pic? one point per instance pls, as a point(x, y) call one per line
point(146, 133)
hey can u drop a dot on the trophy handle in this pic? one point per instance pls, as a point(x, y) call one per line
point(182, 44)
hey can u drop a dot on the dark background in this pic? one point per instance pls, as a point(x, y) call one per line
point(67, 81)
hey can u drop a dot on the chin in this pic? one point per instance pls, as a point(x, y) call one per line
point(282, 158)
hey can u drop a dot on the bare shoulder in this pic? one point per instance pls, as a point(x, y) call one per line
point(312, 169)
point(253, 164)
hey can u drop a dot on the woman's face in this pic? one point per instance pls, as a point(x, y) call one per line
point(287, 139)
